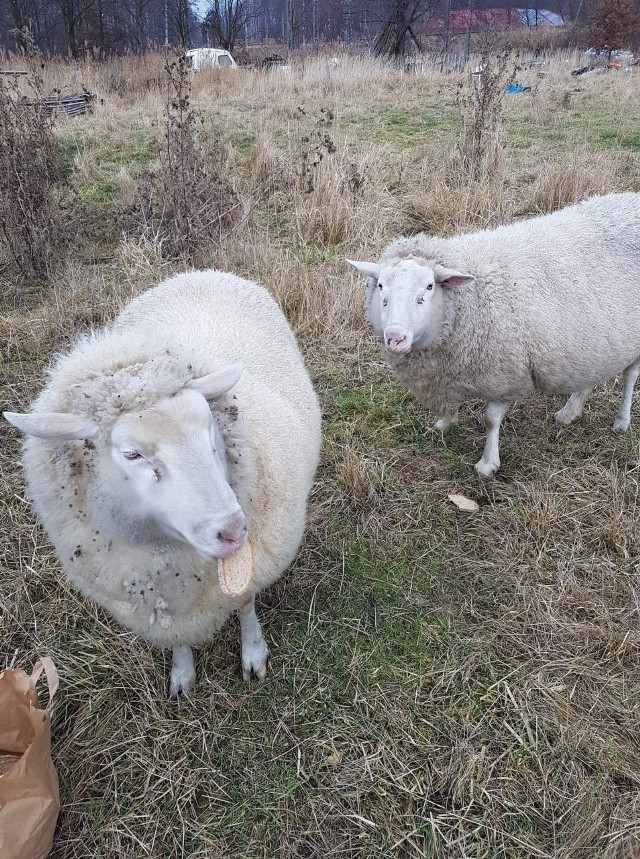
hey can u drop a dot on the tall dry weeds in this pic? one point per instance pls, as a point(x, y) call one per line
point(185, 204)
point(29, 214)
point(563, 184)
point(480, 150)
point(468, 187)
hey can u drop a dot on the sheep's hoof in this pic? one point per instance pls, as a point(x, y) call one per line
point(486, 469)
point(445, 423)
point(621, 425)
point(254, 660)
point(182, 679)
point(565, 417)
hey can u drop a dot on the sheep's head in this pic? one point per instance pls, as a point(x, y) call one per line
point(404, 304)
point(163, 466)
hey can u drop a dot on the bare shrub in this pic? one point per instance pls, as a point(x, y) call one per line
point(468, 188)
point(185, 204)
point(29, 216)
point(329, 212)
point(321, 212)
point(329, 183)
point(611, 24)
point(480, 151)
point(311, 146)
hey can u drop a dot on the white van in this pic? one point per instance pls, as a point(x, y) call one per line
point(200, 57)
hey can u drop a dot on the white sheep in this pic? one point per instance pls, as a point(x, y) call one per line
point(157, 444)
point(549, 303)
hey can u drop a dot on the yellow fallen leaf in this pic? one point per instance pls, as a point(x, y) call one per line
point(464, 503)
point(333, 759)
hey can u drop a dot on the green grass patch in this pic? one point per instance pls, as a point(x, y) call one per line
point(559, 129)
point(405, 128)
point(97, 185)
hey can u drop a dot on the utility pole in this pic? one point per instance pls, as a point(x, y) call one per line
point(314, 26)
point(166, 23)
point(290, 24)
point(346, 21)
point(447, 27)
point(467, 41)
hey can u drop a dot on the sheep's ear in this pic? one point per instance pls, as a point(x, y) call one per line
point(53, 425)
point(451, 277)
point(368, 269)
point(216, 384)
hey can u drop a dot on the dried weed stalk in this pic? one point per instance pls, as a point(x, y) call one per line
point(313, 146)
point(327, 185)
point(185, 203)
point(480, 151)
point(29, 216)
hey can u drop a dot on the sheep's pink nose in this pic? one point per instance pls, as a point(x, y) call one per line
point(397, 342)
point(234, 536)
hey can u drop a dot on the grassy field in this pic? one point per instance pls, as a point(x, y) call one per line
point(441, 684)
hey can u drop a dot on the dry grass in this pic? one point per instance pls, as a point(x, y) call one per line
point(30, 221)
point(442, 684)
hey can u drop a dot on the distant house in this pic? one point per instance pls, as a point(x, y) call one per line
point(540, 18)
point(464, 20)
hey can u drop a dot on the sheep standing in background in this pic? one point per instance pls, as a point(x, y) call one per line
point(550, 303)
point(159, 444)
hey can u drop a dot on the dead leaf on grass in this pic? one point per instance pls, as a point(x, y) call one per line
point(333, 759)
point(464, 503)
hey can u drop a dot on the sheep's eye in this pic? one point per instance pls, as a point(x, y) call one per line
point(379, 286)
point(384, 302)
point(429, 286)
point(132, 455)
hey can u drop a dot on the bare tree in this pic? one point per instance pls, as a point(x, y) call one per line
point(180, 15)
point(19, 18)
point(399, 25)
point(228, 20)
point(611, 24)
point(138, 13)
point(28, 22)
point(73, 13)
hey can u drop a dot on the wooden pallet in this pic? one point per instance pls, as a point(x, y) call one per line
point(74, 104)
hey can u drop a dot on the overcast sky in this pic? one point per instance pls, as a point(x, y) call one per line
point(201, 7)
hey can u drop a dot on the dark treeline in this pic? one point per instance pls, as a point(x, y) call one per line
point(107, 26)
point(71, 27)
point(104, 27)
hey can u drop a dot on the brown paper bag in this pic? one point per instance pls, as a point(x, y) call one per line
point(29, 800)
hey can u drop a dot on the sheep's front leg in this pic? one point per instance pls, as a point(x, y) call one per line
point(572, 409)
point(449, 418)
point(490, 461)
point(254, 649)
point(183, 671)
point(623, 418)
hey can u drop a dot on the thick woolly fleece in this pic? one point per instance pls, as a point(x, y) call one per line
point(189, 326)
point(555, 305)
